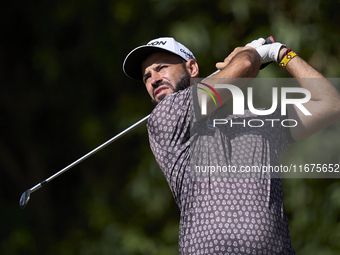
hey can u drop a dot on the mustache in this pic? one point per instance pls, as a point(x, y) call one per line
point(161, 83)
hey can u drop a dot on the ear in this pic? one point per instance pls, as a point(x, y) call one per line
point(192, 68)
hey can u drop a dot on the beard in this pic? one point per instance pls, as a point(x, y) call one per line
point(182, 84)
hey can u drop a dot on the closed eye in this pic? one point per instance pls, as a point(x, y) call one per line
point(162, 67)
point(146, 77)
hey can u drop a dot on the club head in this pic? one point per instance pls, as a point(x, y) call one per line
point(25, 197)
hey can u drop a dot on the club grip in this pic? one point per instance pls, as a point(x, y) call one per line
point(270, 40)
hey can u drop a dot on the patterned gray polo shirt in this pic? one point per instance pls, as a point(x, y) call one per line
point(222, 212)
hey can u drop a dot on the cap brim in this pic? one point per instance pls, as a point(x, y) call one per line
point(132, 65)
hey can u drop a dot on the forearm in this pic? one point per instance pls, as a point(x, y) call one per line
point(324, 104)
point(298, 68)
point(243, 62)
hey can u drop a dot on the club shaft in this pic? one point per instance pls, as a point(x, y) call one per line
point(38, 186)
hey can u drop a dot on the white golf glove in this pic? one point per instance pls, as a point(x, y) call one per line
point(256, 43)
point(268, 52)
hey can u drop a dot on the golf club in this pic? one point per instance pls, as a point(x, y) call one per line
point(25, 197)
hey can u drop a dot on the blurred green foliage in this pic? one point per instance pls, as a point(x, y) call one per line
point(63, 93)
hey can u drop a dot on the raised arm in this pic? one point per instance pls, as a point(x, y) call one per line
point(243, 62)
point(324, 104)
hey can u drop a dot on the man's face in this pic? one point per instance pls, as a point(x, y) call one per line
point(164, 74)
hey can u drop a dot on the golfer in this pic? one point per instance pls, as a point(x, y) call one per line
point(219, 213)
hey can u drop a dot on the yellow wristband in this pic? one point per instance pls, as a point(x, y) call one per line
point(287, 58)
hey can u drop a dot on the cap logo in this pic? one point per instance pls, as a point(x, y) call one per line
point(133, 61)
point(157, 43)
point(190, 56)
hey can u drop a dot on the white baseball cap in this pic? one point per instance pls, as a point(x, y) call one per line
point(132, 65)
